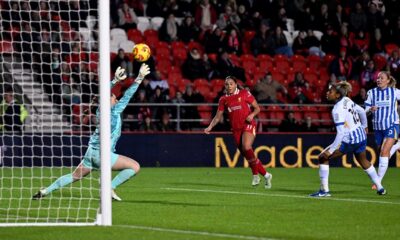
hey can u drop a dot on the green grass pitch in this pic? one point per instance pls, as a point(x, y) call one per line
point(209, 203)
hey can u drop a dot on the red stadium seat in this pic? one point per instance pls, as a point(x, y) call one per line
point(249, 66)
point(247, 57)
point(213, 57)
point(282, 63)
point(277, 114)
point(315, 118)
point(314, 62)
point(380, 61)
point(299, 63)
point(206, 118)
point(163, 65)
point(328, 59)
point(235, 59)
point(178, 45)
point(193, 44)
point(390, 47)
point(200, 82)
point(135, 36)
point(326, 119)
point(217, 85)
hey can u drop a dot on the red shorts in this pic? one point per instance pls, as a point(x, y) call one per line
point(237, 134)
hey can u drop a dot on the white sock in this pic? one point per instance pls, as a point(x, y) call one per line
point(324, 175)
point(374, 176)
point(394, 149)
point(383, 165)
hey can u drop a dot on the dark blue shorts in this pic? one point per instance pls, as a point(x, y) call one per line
point(353, 147)
point(391, 132)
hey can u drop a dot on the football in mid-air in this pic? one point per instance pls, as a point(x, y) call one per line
point(141, 52)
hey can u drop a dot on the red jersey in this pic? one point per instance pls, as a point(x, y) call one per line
point(238, 106)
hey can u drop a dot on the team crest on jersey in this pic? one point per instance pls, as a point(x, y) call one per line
point(239, 99)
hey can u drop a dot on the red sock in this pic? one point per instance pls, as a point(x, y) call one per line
point(251, 158)
point(260, 168)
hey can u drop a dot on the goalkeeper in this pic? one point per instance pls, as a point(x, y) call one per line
point(91, 160)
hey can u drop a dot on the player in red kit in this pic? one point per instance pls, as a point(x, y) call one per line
point(237, 102)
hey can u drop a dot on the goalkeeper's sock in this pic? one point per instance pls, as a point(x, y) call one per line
point(59, 183)
point(122, 177)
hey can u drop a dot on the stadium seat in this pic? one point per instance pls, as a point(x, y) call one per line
point(278, 76)
point(390, 47)
point(249, 66)
point(178, 45)
point(217, 85)
point(179, 56)
point(282, 63)
point(276, 114)
point(235, 59)
point(299, 63)
point(213, 57)
point(163, 65)
point(143, 24)
point(198, 46)
point(315, 118)
point(314, 62)
point(380, 61)
point(127, 46)
point(326, 119)
point(117, 32)
point(200, 82)
point(247, 57)
point(135, 36)
point(259, 73)
point(203, 89)
point(206, 118)
point(156, 22)
point(318, 34)
point(328, 59)
point(310, 76)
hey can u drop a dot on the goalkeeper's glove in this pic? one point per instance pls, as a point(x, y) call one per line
point(119, 75)
point(143, 71)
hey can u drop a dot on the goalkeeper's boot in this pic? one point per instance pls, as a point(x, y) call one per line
point(268, 181)
point(321, 193)
point(381, 191)
point(114, 196)
point(256, 180)
point(40, 194)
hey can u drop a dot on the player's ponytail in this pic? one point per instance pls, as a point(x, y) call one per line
point(392, 80)
point(343, 88)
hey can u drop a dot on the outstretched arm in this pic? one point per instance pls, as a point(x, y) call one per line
point(214, 122)
point(123, 102)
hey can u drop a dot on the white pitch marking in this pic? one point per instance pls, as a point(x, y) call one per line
point(189, 232)
point(282, 195)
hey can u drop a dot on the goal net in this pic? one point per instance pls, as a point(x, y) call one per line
point(48, 76)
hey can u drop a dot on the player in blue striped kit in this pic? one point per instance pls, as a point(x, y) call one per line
point(382, 103)
point(351, 122)
point(91, 160)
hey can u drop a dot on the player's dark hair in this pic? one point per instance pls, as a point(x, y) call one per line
point(235, 80)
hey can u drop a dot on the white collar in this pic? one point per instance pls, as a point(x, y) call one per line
point(234, 93)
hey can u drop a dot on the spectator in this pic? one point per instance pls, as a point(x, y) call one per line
point(289, 124)
point(122, 61)
point(299, 89)
point(147, 125)
point(171, 6)
point(233, 43)
point(361, 97)
point(159, 97)
point(205, 16)
point(377, 46)
point(281, 19)
point(345, 37)
point(358, 18)
point(340, 17)
point(214, 41)
point(369, 75)
point(191, 112)
point(263, 42)
point(374, 17)
point(168, 31)
point(299, 44)
point(307, 125)
point(330, 42)
point(13, 114)
point(177, 100)
point(394, 64)
point(361, 43)
point(225, 67)
point(313, 44)
point(194, 66)
point(188, 31)
point(158, 81)
point(324, 18)
point(127, 17)
point(228, 20)
point(245, 20)
point(165, 124)
point(360, 64)
point(342, 65)
point(265, 91)
point(138, 112)
point(146, 87)
point(281, 43)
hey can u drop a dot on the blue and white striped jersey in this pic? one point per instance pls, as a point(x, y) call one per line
point(347, 113)
point(386, 101)
point(116, 121)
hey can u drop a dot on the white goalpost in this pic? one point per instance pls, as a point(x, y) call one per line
point(54, 60)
